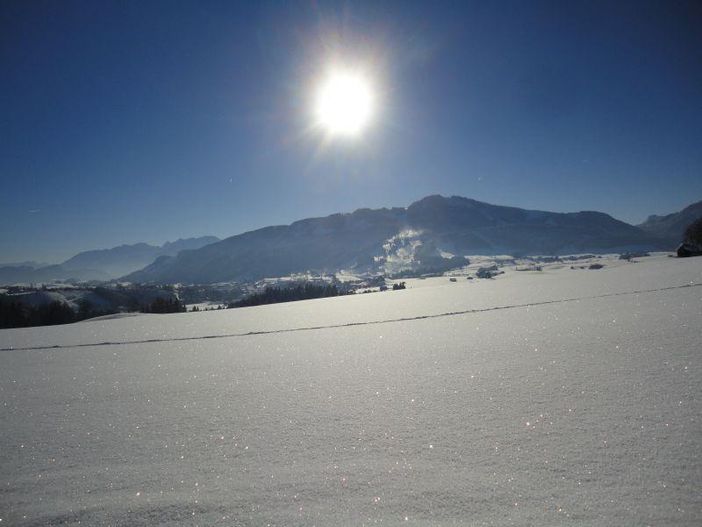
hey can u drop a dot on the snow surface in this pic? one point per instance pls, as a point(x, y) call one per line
point(538, 398)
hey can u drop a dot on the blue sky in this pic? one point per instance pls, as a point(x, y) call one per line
point(148, 121)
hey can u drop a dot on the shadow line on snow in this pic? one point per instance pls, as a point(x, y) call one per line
point(351, 324)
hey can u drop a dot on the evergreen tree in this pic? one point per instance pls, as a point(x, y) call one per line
point(693, 233)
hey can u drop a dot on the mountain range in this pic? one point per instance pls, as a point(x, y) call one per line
point(430, 235)
point(101, 264)
point(422, 235)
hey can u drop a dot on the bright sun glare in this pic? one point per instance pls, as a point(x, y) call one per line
point(344, 104)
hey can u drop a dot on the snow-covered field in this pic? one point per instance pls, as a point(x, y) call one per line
point(561, 397)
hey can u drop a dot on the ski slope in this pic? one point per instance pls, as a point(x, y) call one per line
point(537, 398)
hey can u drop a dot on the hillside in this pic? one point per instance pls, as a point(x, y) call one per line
point(671, 227)
point(367, 239)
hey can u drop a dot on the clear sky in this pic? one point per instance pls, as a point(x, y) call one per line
point(133, 121)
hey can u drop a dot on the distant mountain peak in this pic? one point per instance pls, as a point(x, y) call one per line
point(103, 264)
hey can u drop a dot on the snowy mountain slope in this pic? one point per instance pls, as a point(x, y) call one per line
point(584, 411)
point(457, 225)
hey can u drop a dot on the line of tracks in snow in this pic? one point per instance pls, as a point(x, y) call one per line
point(351, 324)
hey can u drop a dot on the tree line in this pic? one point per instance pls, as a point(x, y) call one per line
point(16, 314)
point(276, 295)
point(164, 305)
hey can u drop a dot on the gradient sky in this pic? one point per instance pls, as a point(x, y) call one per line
point(132, 121)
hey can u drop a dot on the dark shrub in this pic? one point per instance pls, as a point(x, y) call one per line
point(693, 233)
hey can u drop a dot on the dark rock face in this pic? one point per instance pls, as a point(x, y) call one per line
point(457, 225)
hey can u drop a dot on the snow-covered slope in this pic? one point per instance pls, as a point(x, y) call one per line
point(537, 398)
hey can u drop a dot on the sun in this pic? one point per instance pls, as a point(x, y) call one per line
point(344, 105)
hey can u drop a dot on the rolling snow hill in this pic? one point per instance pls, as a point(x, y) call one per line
point(537, 398)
